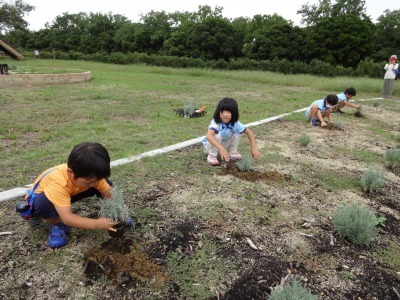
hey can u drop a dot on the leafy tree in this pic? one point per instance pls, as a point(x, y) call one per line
point(387, 35)
point(204, 34)
point(125, 37)
point(99, 33)
point(314, 13)
point(240, 26)
point(159, 27)
point(40, 39)
point(12, 15)
point(350, 7)
point(277, 42)
point(19, 38)
point(210, 39)
point(342, 40)
point(66, 31)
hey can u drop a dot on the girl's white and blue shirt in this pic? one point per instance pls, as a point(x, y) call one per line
point(227, 130)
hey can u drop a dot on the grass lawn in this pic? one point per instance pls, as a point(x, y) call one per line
point(130, 109)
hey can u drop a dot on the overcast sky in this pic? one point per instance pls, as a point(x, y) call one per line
point(47, 10)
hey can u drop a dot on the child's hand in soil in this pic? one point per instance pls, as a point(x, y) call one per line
point(105, 224)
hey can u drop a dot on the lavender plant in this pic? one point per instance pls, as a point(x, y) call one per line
point(245, 164)
point(356, 223)
point(115, 207)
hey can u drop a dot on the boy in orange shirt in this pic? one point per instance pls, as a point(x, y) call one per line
point(85, 175)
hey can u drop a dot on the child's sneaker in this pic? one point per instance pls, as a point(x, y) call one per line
point(235, 155)
point(212, 160)
point(314, 122)
point(57, 237)
point(65, 227)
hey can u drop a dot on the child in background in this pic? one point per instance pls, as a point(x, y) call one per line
point(85, 175)
point(320, 109)
point(344, 100)
point(223, 134)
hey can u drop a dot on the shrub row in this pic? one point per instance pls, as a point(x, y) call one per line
point(366, 68)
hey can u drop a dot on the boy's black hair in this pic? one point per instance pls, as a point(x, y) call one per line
point(88, 160)
point(230, 105)
point(351, 91)
point(332, 99)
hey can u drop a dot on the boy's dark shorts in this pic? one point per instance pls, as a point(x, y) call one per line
point(45, 209)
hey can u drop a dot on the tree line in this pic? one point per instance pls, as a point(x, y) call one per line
point(335, 35)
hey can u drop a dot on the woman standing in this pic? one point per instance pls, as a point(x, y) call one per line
point(390, 75)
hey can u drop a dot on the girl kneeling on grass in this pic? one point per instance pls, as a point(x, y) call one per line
point(223, 134)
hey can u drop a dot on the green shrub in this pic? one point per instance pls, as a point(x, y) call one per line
point(392, 156)
point(304, 140)
point(292, 291)
point(372, 180)
point(398, 137)
point(115, 208)
point(245, 164)
point(376, 104)
point(356, 223)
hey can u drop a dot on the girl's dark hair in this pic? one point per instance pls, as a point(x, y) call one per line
point(332, 99)
point(88, 160)
point(230, 105)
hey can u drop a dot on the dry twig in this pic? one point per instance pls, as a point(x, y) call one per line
point(251, 244)
point(6, 233)
point(331, 242)
point(397, 293)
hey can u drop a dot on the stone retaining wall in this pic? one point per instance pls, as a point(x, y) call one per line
point(43, 79)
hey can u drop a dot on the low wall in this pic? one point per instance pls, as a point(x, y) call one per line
point(43, 79)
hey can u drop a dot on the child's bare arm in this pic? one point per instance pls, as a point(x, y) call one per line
point(107, 194)
point(210, 137)
point(69, 218)
point(329, 115)
point(253, 147)
point(321, 118)
point(352, 104)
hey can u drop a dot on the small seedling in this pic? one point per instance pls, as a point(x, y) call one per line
point(335, 126)
point(376, 104)
point(346, 275)
point(294, 290)
point(245, 164)
point(116, 210)
point(190, 107)
point(358, 113)
point(372, 180)
point(338, 125)
point(304, 140)
point(380, 221)
point(115, 207)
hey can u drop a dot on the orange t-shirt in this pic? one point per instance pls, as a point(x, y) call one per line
point(58, 187)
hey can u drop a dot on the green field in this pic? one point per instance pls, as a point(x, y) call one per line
point(130, 109)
